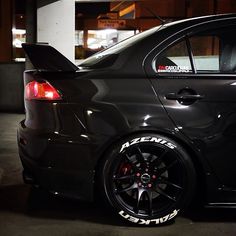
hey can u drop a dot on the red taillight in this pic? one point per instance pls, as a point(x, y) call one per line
point(41, 91)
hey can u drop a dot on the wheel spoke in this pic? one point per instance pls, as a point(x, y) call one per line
point(161, 192)
point(149, 194)
point(164, 169)
point(163, 180)
point(125, 177)
point(131, 160)
point(159, 159)
point(139, 196)
point(150, 157)
point(139, 155)
point(131, 187)
point(133, 193)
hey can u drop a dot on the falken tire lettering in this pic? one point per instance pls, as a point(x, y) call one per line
point(147, 222)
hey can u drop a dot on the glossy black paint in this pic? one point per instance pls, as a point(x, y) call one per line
point(61, 143)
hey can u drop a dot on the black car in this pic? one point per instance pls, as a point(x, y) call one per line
point(146, 124)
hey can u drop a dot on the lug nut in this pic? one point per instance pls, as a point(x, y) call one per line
point(138, 174)
point(154, 177)
point(149, 185)
point(139, 184)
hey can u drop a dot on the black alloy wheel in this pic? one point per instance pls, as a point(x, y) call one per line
point(148, 179)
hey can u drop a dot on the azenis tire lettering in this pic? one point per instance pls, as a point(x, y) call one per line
point(147, 139)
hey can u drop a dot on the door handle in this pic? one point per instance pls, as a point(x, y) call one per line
point(174, 96)
point(185, 96)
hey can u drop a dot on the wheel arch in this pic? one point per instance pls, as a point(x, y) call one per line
point(192, 153)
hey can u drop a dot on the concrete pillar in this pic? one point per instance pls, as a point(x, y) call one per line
point(30, 26)
point(5, 31)
point(56, 25)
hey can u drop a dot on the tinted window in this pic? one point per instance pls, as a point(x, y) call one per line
point(228, 52)
point(215, 52)
point(206, 53)
point(175, 59)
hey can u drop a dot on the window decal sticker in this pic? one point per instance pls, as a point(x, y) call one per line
point(173, 69)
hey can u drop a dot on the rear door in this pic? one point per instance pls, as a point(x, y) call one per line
point(195, 79)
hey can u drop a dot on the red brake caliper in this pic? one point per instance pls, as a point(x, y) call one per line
point(125, 169)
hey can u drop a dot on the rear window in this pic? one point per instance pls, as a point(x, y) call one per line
point(96, 60)
point(174, 60)
point(206, 53)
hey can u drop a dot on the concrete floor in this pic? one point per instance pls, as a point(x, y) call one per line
point(33, 212)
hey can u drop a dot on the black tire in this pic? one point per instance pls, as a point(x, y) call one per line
point(148, 179)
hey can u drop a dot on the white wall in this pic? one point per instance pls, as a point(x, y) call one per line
point(56, 26)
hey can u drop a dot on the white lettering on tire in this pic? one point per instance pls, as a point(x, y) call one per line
point(147, 222)
point(147, 139)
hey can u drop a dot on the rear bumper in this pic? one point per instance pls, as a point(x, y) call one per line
point(62, 165)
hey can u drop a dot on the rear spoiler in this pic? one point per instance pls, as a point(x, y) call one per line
point(44, 57)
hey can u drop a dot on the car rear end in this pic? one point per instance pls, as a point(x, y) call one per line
point(74, 116)
point(54, 152)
